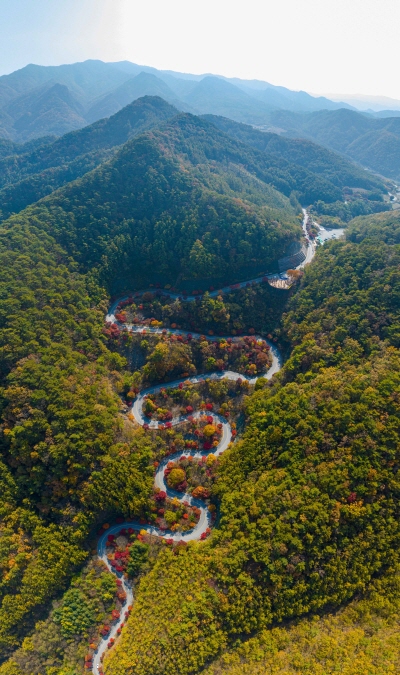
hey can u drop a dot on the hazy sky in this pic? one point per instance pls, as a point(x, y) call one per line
point(344, 46)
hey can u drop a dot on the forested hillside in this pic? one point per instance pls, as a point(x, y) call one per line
point(31, 172)
point(104, 134)
point(187, 184)
point(27, 176)
point(67, 456)
point(373, 143)
point(363, 637)
point(362, 191)
point(58, 422)
point(105, 220)
point(311, 156)
point(8, 148)
point(381, 227)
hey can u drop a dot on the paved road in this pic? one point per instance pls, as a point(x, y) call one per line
point(311, 245)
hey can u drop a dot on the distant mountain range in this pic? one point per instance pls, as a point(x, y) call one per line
point(39, 101)
point(376, 104)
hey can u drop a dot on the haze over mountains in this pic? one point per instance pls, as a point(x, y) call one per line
point(62, 98)
point(382, 105)
point(39, 101)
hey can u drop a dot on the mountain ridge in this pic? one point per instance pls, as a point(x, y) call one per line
point(102, 88)
point(27, 177)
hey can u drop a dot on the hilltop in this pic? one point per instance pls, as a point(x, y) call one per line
point(165, 201)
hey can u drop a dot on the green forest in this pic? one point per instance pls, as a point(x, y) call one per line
point(304, 505)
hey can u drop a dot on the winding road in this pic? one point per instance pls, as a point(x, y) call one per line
point(204, 521)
